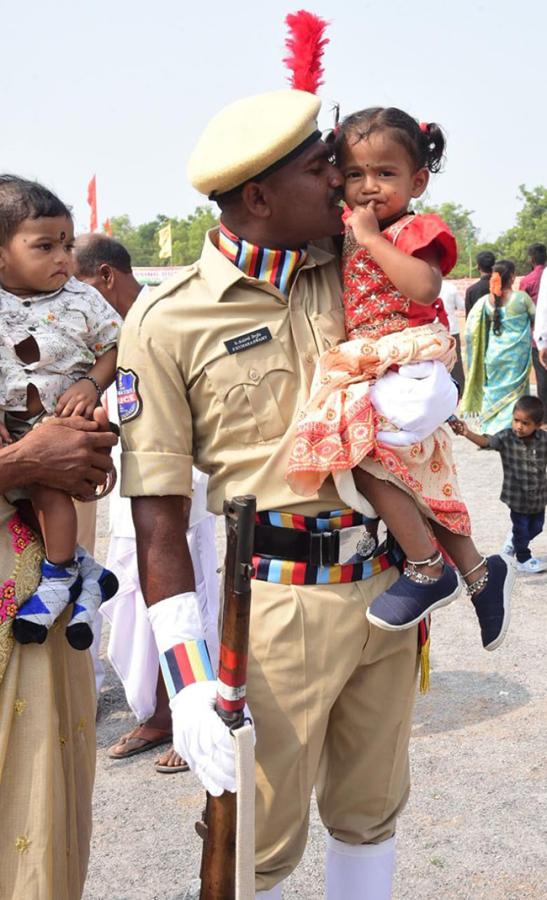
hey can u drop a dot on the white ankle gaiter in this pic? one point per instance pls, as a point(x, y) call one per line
point(359, 871)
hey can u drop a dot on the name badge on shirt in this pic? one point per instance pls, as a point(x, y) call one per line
point(245, 341)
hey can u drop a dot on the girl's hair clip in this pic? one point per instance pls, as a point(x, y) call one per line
point(495, 285)
point(424, 126)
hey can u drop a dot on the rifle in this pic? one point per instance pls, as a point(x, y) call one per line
point(218, 830)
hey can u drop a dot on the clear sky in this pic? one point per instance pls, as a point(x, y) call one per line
point(122, 89)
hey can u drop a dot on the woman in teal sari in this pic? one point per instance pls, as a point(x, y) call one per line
point(498, 350)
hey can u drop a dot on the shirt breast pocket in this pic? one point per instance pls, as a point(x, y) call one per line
point(257, 391)
point(330, 327)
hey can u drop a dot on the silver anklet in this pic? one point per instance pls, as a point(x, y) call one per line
point(411, 569)
point(480, 583)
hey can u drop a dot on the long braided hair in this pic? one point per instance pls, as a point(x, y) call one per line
point(500, 280)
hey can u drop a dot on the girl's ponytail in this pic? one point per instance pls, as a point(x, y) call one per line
point(497, 293)
point(434, 144)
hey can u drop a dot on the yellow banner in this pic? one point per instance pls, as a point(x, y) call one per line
point(165, 242)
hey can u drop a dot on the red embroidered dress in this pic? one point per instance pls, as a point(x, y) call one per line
point(338, 426)
point(373, 306)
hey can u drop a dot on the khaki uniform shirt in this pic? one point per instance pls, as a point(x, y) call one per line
point(222, 365)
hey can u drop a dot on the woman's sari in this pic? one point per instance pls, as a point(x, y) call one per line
point(47, 739)
point(498, 366)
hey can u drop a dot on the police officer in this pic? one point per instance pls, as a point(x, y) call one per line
point(215, 366)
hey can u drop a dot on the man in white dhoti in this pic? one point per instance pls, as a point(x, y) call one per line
point(106, 264)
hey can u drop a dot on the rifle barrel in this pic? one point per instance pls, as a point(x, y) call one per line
point(219, 847)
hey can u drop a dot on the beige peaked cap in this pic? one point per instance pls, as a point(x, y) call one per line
point(249, 136)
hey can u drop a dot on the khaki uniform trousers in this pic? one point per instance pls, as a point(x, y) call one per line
point(332, 699)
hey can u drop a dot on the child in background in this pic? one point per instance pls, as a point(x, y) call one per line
point(392, 267)
point(57, 355)
point(523, 451)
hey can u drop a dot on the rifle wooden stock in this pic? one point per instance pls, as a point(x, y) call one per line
point(219, 840)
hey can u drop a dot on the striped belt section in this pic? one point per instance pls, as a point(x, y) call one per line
point(329, 521)
point(282, 571)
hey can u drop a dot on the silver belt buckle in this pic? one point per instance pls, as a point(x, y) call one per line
point(355, 541)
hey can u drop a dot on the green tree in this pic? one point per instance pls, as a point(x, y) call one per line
point(140, 241)
point(464, 230)
point(531, 227)
point(187, 235)
point(124, 232)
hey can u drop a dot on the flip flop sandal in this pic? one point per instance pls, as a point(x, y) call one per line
point(147, 737)
point(171, 770)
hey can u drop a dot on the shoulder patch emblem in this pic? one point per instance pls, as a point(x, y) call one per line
point(129, 399)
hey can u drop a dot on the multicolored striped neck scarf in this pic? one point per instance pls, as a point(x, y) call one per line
point(278, 267)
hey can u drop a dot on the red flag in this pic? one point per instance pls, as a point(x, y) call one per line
point(92, 201)
point(107, 227)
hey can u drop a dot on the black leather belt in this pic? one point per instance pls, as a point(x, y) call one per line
point(319, 548)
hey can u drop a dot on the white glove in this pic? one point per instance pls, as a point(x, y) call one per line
point(199, 734)
point(176, 620)
point(416, 399)
point(202, 738)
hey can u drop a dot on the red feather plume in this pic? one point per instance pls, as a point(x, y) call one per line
point(306, 46)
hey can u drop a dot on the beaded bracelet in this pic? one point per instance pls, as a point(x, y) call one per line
point(95, 384)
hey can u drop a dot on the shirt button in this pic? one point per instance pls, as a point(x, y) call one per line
point(253, 375)
point(309, 358)
point(26, 303)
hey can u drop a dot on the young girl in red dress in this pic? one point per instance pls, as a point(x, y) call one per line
point(378, 401)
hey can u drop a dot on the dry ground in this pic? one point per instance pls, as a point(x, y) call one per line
point(475, 827)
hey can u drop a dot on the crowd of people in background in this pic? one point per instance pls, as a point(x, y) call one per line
point(505, 334)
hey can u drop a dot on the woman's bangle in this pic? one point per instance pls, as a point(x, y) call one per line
point(95, 384)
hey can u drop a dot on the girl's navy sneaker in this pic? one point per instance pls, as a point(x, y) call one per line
point(407, 602)
point(493, 603)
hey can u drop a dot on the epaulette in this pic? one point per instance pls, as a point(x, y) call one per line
point(147, 302)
